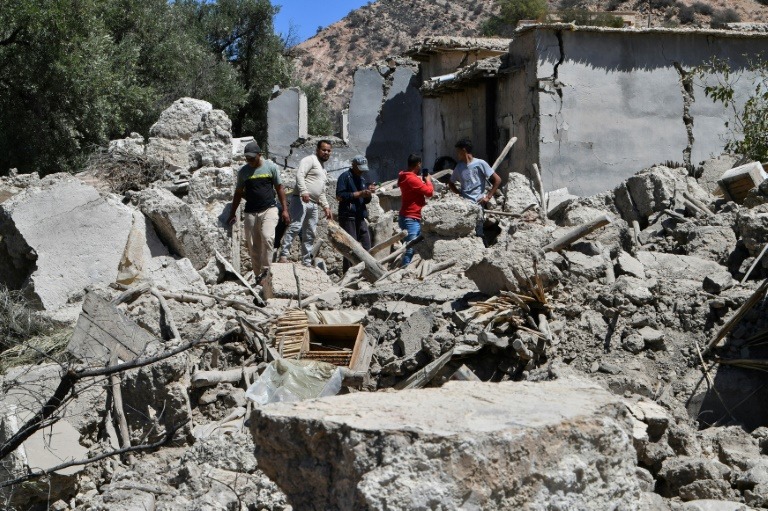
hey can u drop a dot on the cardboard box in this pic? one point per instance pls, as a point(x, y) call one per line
point(342, 345)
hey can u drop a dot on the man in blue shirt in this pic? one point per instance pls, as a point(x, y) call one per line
point(472, 174)
point(353, 192)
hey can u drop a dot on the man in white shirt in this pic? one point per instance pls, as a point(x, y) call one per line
point(309, 193)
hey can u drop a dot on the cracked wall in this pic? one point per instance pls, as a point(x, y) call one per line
point(610, 103)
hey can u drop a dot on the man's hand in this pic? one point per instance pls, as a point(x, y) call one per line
point(305, 197)
point(483, 200)
point(285, 216)
point(328, 214)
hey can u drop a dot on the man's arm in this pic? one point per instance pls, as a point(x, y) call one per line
point(284, 203)
point(344, 191)
point(235, 203)
point(452, 182)
point(495, 183)
point(301, 173)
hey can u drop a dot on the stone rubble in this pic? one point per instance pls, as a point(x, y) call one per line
point(593, 393)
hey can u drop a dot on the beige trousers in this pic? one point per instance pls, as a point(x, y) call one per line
point(260, 237)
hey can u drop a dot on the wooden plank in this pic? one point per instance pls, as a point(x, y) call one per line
point(388, 242)
point(348, 247)
point(102, 330)
point(758, 295)
point(424, 375)
point(577, 233)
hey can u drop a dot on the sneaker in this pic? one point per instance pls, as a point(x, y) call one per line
point(282, 259)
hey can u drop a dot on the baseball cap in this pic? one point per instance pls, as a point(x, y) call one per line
point(361, 162)
point(252, 149)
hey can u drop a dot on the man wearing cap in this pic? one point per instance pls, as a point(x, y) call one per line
point(309, 192)
point(353, 192)
point(258, 180)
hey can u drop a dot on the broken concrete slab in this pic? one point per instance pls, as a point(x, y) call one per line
point(628, 265)
point(649, 191)
point(450, 216)
point(282, 282)
point(420, 446)
point(175, 224)
point(713, 169)
point(674, 266)
point(102, 330)
point(416, 328)
point(518, 195)
point(58, 238)
point(589, 267)
point(287, 121)
point(397, 310)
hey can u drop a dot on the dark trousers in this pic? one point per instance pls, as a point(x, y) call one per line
point(358, 229)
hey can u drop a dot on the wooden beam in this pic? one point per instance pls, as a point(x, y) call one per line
point(734, 320)
point(577, 233)
point(348, 247)
point(388, 242)
point(504, 153)
point(424, 375)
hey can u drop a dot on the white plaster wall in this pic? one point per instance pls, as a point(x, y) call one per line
point(621, 102)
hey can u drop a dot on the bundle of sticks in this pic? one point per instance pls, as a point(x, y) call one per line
point(289, 333)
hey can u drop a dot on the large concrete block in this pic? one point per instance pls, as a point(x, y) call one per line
point(450, 216)
point(287, 121)
point(176, 224)
point(60, 238)
point(468, 445)
point(282, 283)
point(211, 144)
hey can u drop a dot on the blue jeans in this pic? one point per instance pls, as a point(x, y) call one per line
point(413, 227)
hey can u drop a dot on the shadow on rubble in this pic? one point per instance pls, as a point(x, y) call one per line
point(737, 397)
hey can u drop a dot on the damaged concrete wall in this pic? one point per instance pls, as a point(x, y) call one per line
point(287, 118)
point(448, 118)
point(610, 101)
point(384, 123)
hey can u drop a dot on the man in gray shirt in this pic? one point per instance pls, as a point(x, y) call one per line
point(308, 194)
point(472, 174)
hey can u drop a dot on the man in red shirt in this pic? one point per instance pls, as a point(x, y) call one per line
point(414, 190)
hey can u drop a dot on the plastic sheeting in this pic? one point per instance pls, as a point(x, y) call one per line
point(285, 381)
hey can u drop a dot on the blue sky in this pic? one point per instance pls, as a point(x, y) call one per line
point(307, 15)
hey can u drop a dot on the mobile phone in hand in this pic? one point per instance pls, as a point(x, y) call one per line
point(424, 172)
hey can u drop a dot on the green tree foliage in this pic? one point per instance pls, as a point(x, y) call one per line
point(749, 133)
point(319, 120)
point(76, 73)
point(512, 11)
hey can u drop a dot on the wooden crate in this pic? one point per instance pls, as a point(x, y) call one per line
point(737, 182)
point(342, 345)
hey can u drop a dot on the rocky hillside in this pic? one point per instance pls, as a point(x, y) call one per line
point(376, 31)
point(388, 27)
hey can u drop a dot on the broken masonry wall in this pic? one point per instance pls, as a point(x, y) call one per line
point(398, 128)
point(449, 117)
point(517, 111)
point(384, 124)
point(612, 101)
point(287, 117)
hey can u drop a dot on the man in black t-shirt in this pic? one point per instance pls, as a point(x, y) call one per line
point(258, 180)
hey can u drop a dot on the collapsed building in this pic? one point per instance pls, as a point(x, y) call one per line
point(602, 351)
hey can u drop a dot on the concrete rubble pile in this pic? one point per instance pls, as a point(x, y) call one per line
point(589, 353)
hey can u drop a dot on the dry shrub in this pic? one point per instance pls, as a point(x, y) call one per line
point(124, 171)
